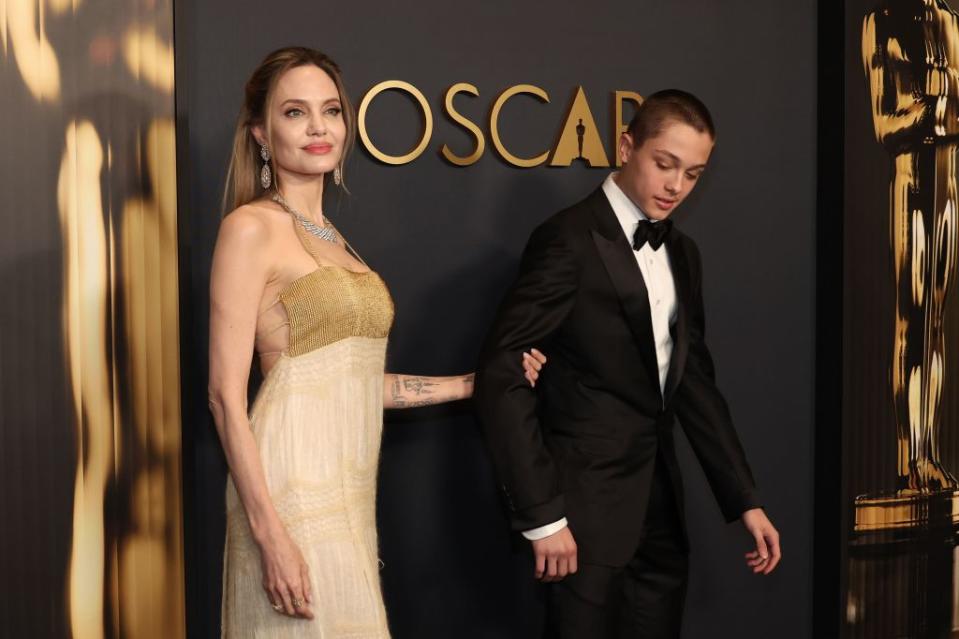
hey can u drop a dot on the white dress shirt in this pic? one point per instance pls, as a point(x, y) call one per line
point(658, 276)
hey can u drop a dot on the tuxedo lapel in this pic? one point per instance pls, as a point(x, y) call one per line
point(620, 263)
point(680, 334)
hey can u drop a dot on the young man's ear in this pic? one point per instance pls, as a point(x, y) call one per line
point(625, 146)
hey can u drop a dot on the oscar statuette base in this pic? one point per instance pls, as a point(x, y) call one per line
point(902, 564)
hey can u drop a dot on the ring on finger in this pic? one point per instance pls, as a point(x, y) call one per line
point(297, 603)
point(277, 607)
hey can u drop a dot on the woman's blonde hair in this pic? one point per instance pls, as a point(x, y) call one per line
point(242, 179)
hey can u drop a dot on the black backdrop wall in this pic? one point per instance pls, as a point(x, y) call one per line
point(446, 239)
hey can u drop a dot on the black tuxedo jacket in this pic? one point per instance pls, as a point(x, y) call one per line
point(584, 443)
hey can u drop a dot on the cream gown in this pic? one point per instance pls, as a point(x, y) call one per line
point(317, 421)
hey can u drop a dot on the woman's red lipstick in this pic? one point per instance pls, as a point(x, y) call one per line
point(318, 149)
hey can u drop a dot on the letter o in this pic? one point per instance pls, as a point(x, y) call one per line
point(427, 118)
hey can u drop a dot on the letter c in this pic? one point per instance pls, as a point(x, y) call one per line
point(494, 125)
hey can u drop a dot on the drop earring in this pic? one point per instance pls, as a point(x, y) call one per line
point(266, 176)
point(337, 176)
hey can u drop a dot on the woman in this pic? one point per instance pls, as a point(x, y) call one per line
point(303, 462)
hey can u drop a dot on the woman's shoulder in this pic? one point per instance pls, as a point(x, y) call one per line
point(252, 223)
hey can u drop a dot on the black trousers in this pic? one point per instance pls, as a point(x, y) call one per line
point(644, 599)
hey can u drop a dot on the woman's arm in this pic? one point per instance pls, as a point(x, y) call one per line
point(238, 277)
point(411, 391)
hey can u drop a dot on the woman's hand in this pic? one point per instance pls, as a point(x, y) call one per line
point(286, 577)
point(532, 365)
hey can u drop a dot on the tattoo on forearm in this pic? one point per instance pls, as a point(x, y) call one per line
point(396, 392)
point(419, 385)
point(408, 391)
point(417, 404)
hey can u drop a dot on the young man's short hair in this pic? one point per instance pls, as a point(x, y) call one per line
point(669, 105)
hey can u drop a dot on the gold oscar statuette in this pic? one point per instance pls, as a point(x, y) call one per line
point(910, 53)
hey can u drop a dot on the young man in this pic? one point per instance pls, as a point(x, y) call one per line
point(613, 294)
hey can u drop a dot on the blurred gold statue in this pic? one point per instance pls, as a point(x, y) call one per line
point(910, 51)
point(103, 62)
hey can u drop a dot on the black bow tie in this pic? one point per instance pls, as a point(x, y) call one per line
point(654, 233)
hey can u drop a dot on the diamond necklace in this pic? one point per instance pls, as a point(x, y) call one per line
point(326, 232)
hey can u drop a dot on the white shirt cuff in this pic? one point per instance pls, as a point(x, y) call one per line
point(545, 531)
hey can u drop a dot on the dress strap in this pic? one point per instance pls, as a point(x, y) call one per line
point(265, 310)
point(349, 247)
point(308, 242)
point(306, 238)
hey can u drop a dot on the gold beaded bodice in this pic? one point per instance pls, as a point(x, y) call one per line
point(329, 304)
point(333, 303)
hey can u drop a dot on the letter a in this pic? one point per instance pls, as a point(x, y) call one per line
point(579, 137)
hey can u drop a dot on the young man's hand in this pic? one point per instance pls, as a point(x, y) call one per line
point(555, 556)
point(766, 557)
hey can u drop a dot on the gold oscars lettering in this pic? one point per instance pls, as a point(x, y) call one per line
point(579, 137)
